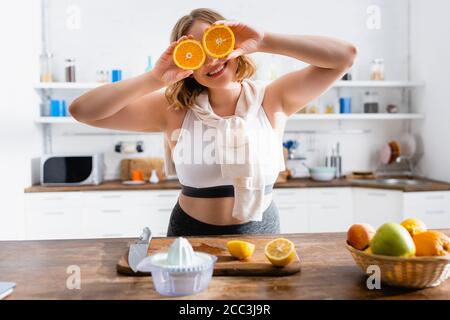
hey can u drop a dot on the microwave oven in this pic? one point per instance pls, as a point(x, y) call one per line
point(65, 169)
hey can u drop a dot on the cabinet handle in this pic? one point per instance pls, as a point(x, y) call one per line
point(111, 196)
point(436, 197)
point(53, 198)
point(435, 212)
point(54, 213)
point(377, 194)
point(111, 211)
point(110, 235)
point(283, 194)
point(287, 208)
point(325, 193)
point(164, 210)
point(166, 195)
point(330, 207)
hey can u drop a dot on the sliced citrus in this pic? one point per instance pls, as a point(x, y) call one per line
point(189, 55)
point(240, 249)
point(280, 252)
point(218, 41)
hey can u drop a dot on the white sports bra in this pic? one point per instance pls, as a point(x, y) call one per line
point(195, 139)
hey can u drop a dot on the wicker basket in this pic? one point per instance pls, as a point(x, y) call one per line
point(415, 272)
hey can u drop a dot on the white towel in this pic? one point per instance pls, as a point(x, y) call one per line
point(238, 152)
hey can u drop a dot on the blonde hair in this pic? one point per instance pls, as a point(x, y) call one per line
point(182, 94)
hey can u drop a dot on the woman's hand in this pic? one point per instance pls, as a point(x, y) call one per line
point(248, 39)
point(165, 70)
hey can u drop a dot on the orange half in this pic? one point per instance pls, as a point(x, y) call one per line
point(189, 55)
point(280, 252)
point(218, 41)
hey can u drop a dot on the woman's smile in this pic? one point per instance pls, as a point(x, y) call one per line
point(217, 71)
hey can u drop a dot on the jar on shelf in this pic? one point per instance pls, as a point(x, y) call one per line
point(70, 70)
point(377, 69)
point(370, 102)
point(46, 67)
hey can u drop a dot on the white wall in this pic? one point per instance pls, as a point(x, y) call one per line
point(430, 52)
point(121, 34)
point(19, 137)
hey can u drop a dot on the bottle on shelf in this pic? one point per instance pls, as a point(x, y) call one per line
point(149, 64)
point(370, 102)
point(377, 69)
point(46, 67)
point(70, 70)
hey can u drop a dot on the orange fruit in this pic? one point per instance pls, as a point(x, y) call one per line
point(189, 55)
point(218, 41)
point(432, 243)
point(414, 226)
point(280, 252)
point(240, 249)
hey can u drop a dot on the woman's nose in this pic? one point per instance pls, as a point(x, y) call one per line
point(211, 61)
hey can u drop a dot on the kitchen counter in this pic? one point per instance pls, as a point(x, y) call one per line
point(432, 185)
point(328, 272)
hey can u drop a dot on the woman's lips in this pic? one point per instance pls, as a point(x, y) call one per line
point(219, 73)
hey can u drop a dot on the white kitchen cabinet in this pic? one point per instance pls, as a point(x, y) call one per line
point(54, 215)
point(377, 206)
point(330, 209)
point(293, 209)
point(432, 207)
point(98, 214)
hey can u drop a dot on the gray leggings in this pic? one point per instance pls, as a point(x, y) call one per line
point(182, 224)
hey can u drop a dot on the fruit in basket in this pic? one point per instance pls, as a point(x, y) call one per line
point(392, 239)
point(240, 249)
point(359, 235)
point(280, 252)
point(368, 250)
point(432, 243)
point(414, 226)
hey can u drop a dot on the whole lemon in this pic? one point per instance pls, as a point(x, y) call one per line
point(414, 226)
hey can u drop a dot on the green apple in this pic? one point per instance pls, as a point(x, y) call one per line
point(392, 239)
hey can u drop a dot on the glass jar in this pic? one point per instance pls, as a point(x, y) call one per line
point(70, 70)
point(377, 69)
point(46, 67)
point(370, 102)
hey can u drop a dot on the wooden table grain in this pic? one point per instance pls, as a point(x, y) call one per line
point(40, 269)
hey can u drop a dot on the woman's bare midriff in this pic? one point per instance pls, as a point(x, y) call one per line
point(216, 211)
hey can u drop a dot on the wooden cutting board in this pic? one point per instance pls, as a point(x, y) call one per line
point(226, 265)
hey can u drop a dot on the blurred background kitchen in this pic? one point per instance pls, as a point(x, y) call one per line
point(382, 129)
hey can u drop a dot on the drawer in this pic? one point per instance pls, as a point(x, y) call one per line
point(54, 200)
point(293, 218)
point(329, 217)
point(166, 198)
point(330, 195)
point(293, 196)
point(157, 219)
point(433, 208)
point(113, 199)
point(54, 223)
point(125, 199)
point(112, 222)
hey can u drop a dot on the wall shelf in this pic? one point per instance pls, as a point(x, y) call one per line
point(359, 116)
point(295, 117)
point(56, 120)
point(378, 84)
point(338, 84)
point(67, 85)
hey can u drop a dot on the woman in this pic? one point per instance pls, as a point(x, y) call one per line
point(219, 197)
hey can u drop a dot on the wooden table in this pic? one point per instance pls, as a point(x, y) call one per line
point(328, 272)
